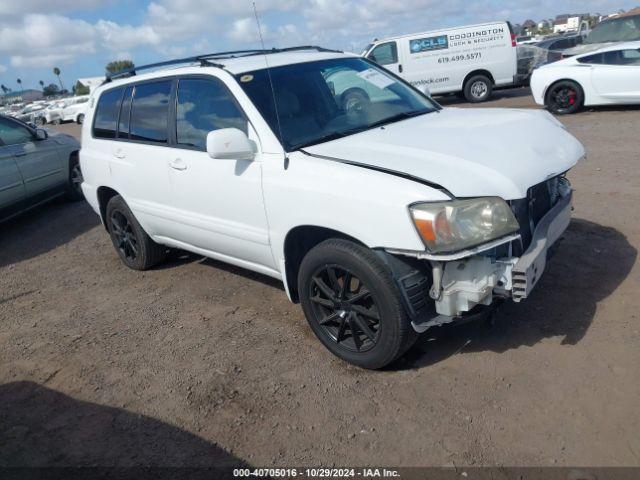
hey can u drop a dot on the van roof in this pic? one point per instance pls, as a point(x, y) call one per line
point(389, 39)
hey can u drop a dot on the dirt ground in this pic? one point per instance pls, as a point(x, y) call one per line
point(200, 363)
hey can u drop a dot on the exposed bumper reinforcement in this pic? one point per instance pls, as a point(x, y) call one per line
point(528, 270)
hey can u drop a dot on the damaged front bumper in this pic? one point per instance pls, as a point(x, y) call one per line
point(463, 282)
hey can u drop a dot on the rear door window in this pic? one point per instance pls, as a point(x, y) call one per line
point(150, 112)
point(106, 117)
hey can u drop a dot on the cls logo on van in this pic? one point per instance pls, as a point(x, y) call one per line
point(429, 43)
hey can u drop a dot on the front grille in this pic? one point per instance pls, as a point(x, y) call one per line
point(529, 211)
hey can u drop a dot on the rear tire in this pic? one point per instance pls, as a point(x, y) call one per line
point(564, 97)
point(478, 89)
point(353, 305)
point(74, 187)
point(134, 247)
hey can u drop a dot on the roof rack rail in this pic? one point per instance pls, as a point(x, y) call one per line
point(206, 60)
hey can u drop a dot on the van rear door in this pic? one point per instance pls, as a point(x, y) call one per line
point(387, 55)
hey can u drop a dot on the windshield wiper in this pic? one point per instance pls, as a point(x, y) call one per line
point(324, 138)
point(397, 117)
point(352, 131)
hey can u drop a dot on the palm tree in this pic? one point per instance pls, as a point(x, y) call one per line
point(41, 84)
point(56, 72)
point(5, 89)
point(20, 83)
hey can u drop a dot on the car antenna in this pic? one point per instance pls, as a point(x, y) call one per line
point(273, 91)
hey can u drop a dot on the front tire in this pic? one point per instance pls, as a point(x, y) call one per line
point(564, 98)
point(478, 89)
point(353, 305)
point(134, 247)
point(80, 119)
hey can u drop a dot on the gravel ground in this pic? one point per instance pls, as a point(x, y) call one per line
point(200, 363)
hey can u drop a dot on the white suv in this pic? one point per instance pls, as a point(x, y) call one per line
point(384, 215)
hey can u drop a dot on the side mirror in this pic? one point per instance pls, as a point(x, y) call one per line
point(230, 144)
point(41, 134)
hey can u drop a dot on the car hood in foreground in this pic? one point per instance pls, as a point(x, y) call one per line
point(62, 138)
point(469, 152)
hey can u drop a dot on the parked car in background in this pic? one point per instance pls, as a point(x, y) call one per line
point(384, 217)
point(75, 109)
point(526, 40)
point(471, 60)
point(29, 113)
point(609, 76)
point(52, 114)
point(35, 166)
point(621, 28)
point(558, 44)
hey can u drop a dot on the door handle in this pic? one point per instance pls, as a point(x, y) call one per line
point(21, 154)
point(178, 164)
point(119, 154)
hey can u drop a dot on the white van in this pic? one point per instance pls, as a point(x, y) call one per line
point(472, 60)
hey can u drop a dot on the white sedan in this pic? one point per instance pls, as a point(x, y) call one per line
point(609, 76)
point(75, 109)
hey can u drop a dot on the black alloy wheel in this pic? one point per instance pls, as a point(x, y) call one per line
point(125, 239)
point(564, 98)
point(345, 308)
point(353, 304)
point(134, 246)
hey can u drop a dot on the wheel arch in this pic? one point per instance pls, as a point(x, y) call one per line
point(479, 71)
point(297, 243)
point(104, 195)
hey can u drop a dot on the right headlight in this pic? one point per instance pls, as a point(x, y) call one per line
point(459, 224)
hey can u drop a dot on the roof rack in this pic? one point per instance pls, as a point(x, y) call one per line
point(207, 59)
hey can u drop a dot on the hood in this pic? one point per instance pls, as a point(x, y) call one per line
point(470, 152)
point(62, 138)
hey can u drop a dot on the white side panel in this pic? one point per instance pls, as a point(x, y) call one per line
point(368, 205)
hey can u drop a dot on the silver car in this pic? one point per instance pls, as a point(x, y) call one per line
point(35, 166)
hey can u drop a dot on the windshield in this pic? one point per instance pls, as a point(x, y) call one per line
point(623, 29)
point(328, 99)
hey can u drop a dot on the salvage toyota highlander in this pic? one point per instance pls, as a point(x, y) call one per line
point(383, 213)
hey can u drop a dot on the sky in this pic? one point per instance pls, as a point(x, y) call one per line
point(81, 36)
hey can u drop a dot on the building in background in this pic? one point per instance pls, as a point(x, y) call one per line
point(25, 96)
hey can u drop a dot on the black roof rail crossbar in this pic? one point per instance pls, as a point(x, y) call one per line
point(132, 71)
point(247, 53)
point(205, 60)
